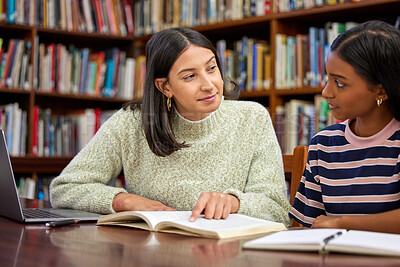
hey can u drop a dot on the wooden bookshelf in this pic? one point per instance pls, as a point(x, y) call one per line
point(59, 103)
point(261, 27)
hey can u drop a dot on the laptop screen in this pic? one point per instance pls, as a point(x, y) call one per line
point(10, 205)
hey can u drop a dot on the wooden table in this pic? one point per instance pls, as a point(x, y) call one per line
point(86, 244)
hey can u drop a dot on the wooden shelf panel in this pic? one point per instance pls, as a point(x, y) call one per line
point(81, 97)
point(282, 92)
point(48, 165)
point(15, 91)
point(64, 33)
point(352, 7)
point(43, 30)
point(298, 91)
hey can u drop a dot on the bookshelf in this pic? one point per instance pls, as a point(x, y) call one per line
point(68, 33)
point(290, 23)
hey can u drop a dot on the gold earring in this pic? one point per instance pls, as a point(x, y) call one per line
point(169, 103)
point(379, 102)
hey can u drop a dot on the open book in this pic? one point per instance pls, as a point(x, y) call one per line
point(235, 226)
point(330, 240)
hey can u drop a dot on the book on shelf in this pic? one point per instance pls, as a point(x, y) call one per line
point(293, 123)
point(300, 59)
point(248, 62)
point(280, 127)
point(64, 135)
point(235, 226)
point(72, 15)
point(330, 240)
point(140, 73)
point(8, 61)
point(299, 120)
point(291, 5)
point(33, 187)
point(280, 60)
point(13, 120)
point(151, 16)
point(72, 70)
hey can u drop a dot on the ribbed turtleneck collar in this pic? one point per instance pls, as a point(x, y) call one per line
point(186, 130)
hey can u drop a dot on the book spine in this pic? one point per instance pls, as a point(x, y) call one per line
point(35, 131)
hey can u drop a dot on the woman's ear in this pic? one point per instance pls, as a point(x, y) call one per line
point(381, 92)
point(162, 86)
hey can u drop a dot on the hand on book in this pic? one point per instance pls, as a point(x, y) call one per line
point(215, 205)
point(125, 202)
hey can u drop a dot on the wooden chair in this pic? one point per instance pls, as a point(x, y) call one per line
point(294, 166)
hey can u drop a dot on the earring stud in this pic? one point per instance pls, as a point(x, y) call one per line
point(379, 102)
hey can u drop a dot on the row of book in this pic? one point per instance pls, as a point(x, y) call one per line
point(82, 71)
point(247, 61)
point(53, 134)
point(15, 65)
point(113, 17)
point(151, 16)
point(70, 70)
point(65, 135)
point(299, 120)
point(33, 187)
point(13, 121)
point(300, 59)
point(290, 5)
point(37, 187)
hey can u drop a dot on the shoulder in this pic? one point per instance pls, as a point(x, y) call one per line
point(245, 109)
point(123, 118)
point(331, 134)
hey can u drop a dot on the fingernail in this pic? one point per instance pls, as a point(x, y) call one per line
point(192, 219)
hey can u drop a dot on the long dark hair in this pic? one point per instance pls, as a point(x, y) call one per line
point(162, 50)
point(373, 50)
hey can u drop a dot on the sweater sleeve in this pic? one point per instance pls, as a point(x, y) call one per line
point(265, 194)
point(84, 183)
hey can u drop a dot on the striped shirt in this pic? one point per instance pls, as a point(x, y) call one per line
point(349, 175)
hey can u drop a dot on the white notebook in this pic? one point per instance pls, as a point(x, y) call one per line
point(330, 240)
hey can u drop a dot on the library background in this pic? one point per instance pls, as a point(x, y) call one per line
point(68, 65)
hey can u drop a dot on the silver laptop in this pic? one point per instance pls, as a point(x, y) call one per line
point(10, 205)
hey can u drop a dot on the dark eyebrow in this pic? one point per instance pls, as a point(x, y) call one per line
point(337, 76)
point(213, 57)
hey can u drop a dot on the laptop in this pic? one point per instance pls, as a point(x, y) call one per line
point(10, 204)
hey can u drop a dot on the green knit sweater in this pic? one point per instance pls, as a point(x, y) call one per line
point(233, 150)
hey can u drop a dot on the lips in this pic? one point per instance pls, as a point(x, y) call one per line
point(208, 98)
point(331, 106)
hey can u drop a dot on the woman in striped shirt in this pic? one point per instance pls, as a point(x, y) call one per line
point(351, 179)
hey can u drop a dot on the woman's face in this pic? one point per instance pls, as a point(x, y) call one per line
point(348, 94)
point(195, 83)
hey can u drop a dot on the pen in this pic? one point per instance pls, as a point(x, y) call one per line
point(329, 238)
point(61, 223)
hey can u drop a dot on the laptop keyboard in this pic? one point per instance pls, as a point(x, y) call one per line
point(38, 213)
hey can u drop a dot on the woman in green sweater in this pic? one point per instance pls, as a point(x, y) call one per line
point(183, 147)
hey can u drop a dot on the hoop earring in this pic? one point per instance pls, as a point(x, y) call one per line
point(379, 102)
point(169, 103)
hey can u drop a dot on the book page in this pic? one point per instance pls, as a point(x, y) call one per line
point(139, 218)
point(155, 217)
point(301, 240)
point(364, 242)
point(234, 226)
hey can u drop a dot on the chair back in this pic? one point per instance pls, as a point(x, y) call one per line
point(294, 166)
